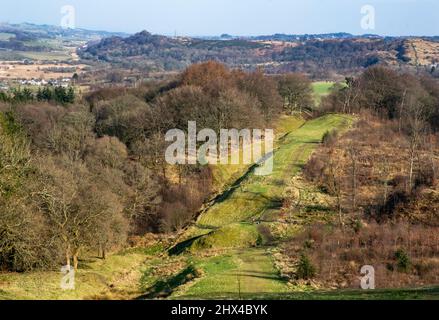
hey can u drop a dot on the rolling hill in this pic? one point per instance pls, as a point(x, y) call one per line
point(319, 55)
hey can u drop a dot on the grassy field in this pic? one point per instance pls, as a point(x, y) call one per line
point(238, 273)
point(33, 55)
point(321, 89)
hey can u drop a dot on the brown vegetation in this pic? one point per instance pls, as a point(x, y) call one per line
point(382, 176)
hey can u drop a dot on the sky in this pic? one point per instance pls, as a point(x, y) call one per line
point(236, 17)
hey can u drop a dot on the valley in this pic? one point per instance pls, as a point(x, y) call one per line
point(86, 183)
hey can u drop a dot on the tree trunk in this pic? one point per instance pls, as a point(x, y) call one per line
point(75, 259)
point(68, 256)
point(354, 179)
point(412, 161)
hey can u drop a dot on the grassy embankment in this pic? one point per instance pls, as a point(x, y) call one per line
point(232, 223)
point(117, 277)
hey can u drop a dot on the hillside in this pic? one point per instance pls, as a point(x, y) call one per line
point(43, 42)
point(319, 55)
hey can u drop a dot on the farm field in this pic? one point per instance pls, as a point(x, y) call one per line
point(10, 70)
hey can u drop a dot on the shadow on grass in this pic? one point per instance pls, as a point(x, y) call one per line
point(182, 246)
point(164, 288)
point(229, 192)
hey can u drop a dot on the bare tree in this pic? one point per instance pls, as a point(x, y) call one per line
point(334, 183)
point(353, 154)
point(297, 93)
point(416, 127)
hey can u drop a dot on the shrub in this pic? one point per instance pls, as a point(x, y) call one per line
point(403, 260)
point(265, 235)
point(330, 138)
point(305, 269)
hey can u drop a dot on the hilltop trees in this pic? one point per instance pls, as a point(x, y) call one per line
point(265, 90)
point(297, 93)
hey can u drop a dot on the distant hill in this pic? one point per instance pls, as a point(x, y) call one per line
point(157, 52)
point(28, 31)
point(27, 37)
point(314, 54)
point(307, 37)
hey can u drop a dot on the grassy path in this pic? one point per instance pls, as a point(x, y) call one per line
point(232, 222)
point(236, 274)
point(240, 209)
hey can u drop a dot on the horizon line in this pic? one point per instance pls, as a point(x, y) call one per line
point(225, 33)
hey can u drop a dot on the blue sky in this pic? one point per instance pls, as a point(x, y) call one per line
point(237, 17)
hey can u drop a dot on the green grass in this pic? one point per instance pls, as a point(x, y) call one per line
point(233, 275)
point(257, 194)
point(224, 175)
point(165, 287)
point(116, 277)
point(31, 55)
point(321, 89)
point(54, 55)
point(241, 235)
point(11, 56)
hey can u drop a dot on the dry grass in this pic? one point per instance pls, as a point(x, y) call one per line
point(382, 170)
point(338, 254)
point(11, 70)
point(422, 52)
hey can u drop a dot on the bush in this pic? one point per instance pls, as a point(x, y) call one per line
point(265, 235)
point(330, 138)
point(305, 269)
point(425, 177)
point(314, 169)
point(403, 260)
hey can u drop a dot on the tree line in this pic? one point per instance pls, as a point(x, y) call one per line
point(52, 94)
